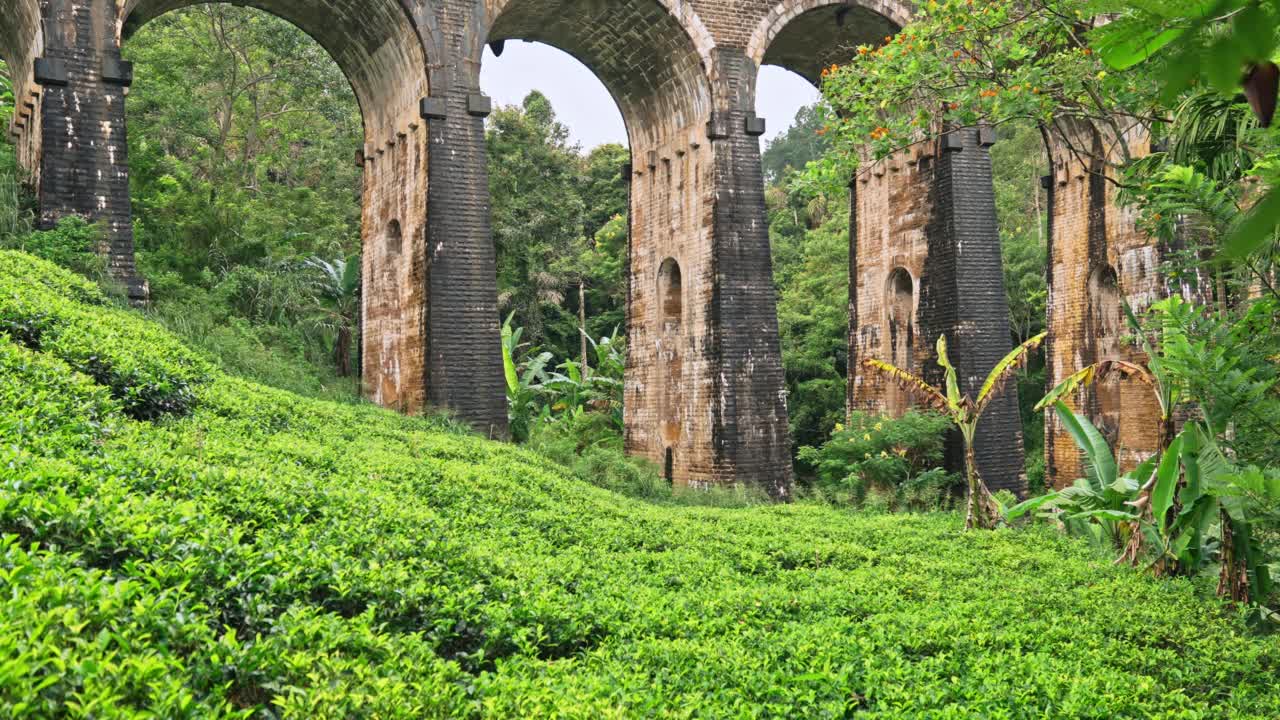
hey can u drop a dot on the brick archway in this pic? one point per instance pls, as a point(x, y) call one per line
point(378, 50)
point(651, 57)
point(805, 35)
point(375, 43)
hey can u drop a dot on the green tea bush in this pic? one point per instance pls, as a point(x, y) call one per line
point(146, 369)
point(894, 462)
point(589, 446)
point(74, 244)
point(274, 556)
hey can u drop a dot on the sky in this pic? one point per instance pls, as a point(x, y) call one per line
point(585, 107)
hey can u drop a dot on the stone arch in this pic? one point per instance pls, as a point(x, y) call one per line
point(1106, 314)
point(670, 292)
point(651, 55)
point(377, 46)
point(375, 43)
point(805, 36)
point(900, 327)
point(394, 238)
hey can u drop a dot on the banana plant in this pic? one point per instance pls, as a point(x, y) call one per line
point(1246, 497)
point(1097, 506)
point(983, 511)
point(1155, 376)
point(526, 373)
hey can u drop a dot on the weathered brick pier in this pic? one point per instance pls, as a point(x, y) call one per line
point(704, 393)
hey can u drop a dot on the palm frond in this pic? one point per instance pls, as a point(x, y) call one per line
point(929, 395)
point(1006, 369)
point(1100, 371)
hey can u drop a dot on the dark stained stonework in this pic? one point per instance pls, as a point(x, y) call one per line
point(964, 299)
point(924, 262)
point(1097, 258)
point(705, 395)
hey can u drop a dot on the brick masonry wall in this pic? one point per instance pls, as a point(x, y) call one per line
point(753, 439)
point(21, 41)
point(1097, 256)
point(394, 275)
point(668, 391)
point(83, 153)
point(963, 297)
point(890, 210)
point(464, 358)
point(924, 262)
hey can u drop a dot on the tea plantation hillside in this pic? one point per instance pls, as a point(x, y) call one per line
point(178, 543)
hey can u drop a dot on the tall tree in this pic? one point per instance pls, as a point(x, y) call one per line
point(792, 150)
point(537, 211)
point(241, 134)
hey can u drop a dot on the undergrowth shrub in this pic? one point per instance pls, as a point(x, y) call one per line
point(272, 344)
point(74, 244)
point(146, 369)
point(274, 556)
point(17, 212)
point(884, 462)
point(589, 446)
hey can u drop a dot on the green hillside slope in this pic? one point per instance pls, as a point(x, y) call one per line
point(179, 543)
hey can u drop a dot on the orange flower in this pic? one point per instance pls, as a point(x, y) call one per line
point(862, 51)
point(955, 106)
point(955, 54)
point(1088, 51)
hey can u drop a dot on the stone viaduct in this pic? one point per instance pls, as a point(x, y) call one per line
point(705, 395)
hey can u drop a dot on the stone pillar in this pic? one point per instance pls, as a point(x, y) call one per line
point(925, 261)
point(964, 298)
point(83, 157)
point(464, 364)
point(670, 269)
point(394, 294)
point(1097, 259)
point(891, 208)
point(753, 438)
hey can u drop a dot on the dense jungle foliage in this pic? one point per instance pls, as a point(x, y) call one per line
point(210, 547)
point(247, 226)
point(198, 516)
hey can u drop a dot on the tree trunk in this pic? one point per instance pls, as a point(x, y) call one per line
point(582, 325)
point(1233, 582)
point(983, 512)
point(342, 351)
